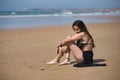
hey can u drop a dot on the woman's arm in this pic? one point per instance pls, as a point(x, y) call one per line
point(72, 38)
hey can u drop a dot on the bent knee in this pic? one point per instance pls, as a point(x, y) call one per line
point(60, 49)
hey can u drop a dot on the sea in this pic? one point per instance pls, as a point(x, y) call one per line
point(31, 18)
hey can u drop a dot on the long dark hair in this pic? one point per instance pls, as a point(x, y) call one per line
point(80, 24)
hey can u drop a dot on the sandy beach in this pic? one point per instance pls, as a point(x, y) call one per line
point(24, 52)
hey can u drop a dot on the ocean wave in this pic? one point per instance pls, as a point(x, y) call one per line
point(13, 13)
point(63, 13)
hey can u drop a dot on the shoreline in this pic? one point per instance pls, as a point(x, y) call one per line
point(23, 23)
point(57, 26)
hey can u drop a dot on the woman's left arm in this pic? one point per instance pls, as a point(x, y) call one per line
point(72, 38)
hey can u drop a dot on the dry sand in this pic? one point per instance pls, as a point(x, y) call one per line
point(23, 54)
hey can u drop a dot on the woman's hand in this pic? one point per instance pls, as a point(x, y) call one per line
point(58, 47)
point(67, 39)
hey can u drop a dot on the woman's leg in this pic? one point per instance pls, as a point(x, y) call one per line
point(60, 52)
point(67, 58)
point(77, 52)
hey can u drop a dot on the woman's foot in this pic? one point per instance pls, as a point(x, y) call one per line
point(65, 62)
point(52, 62)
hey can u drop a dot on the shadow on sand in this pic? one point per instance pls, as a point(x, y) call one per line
point(96, 63)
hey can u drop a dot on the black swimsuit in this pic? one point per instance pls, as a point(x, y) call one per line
point(87, 55)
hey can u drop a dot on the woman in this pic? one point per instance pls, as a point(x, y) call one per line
point(80, 44)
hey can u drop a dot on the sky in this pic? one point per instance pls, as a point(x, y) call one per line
point(8, 5)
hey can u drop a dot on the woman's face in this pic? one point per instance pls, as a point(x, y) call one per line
point(76, 29)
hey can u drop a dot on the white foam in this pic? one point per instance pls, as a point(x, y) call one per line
point(64, 13)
